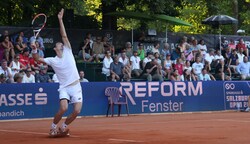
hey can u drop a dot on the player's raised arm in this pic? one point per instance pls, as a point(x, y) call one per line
point(62, 29)
point(35, 53)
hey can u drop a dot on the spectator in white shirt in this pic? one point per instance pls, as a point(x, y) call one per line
point(28, 77)
point(204, 76)
point(123, 59)
point(4, 69)
point(209, 57)
point(82, 79)
point(135, 64)
point(240, 55)
point(147, 59)
point(106, 63)
point(156, 48)
point(218, 56)
point(197, 66)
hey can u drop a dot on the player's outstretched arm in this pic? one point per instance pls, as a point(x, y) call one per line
point(62, 29)
point(35, 54)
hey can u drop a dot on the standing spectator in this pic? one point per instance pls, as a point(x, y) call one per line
point(82, 79)
point(15, 65)
point(106, 64)
point(28, 77)
point(135, 64)
point(116, 69)
point(8, 48)
point(98, 49)
point(197, 66)
point(4, 69)
point(204, 76)
point(244, 69)
point(152, 71)
point(241, 45)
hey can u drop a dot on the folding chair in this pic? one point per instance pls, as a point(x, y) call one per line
point(115, 98)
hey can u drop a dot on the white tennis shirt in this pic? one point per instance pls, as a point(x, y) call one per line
point(65, 67)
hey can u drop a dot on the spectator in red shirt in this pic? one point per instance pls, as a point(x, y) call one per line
point(179, 66)
point(24, 59)
point(242, 45)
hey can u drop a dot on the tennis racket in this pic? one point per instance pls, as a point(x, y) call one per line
point(38, 23)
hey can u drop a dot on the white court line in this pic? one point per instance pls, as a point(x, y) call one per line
point(27, 132)
point(125, 140)
point(232, 120)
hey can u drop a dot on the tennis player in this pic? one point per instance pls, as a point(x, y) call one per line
point(70, 90)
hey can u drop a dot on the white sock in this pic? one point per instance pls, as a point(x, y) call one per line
point(64, 126)
point(53, 126)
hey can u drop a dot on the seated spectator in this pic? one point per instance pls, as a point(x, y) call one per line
point(182, 44)
point(218, 56)
point(85, 50)
point(220, 70)
point(124, 59)
point(179, 66)
point(116, 69)
point(35, 65)
point(126, 73)
point(227, 56)
point(187, 66)
point(167, 66)
point(129, 50)
point(202, 46)
point(240, 55)
point(106, 64)
point(39, 39)
point(231, 45)
point(82, 79)
point(165, 51)
point(147, 59)
point(19, 45)
point(223, 45)
point(174, 76)
point(135, 64)
point(15, 65)
point(42, 76)
point(24, 59)
point(244, 69)
point(3, 78)
point(28, 77)
point(189, 53)
point(152, 71)
point(98, 50)
point(233, 61)
point(194, 46)
point(175, 54)
point(40, 49)
point(187, 76)
point(108, 46)
point(241, 45)
point(8, 48)
point(24, 39)
point(18, 78)
point(197, 66)
point(89, 36)
point(204, 76)
point(156, 48)
point(209, 57)
point(141, 51)
point(157, 58)
point(4, 69)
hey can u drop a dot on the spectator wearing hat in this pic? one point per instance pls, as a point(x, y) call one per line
point(24, 59)
point(147, 59)
point(135, 64)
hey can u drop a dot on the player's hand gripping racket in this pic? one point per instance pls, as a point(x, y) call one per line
point(38, 23)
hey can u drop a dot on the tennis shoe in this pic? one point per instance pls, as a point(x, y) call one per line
point(247, 109)
point(64, 132)
point(53, 132)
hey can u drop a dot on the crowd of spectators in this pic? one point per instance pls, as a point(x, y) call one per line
point(190, 60)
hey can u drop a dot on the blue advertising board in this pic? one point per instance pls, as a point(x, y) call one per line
point(40, 100)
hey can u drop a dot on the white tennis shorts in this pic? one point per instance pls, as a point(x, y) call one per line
point(72, 93)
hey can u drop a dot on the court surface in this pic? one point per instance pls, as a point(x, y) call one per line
point(196, 128)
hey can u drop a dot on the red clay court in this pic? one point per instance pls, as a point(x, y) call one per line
point(188, 128)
